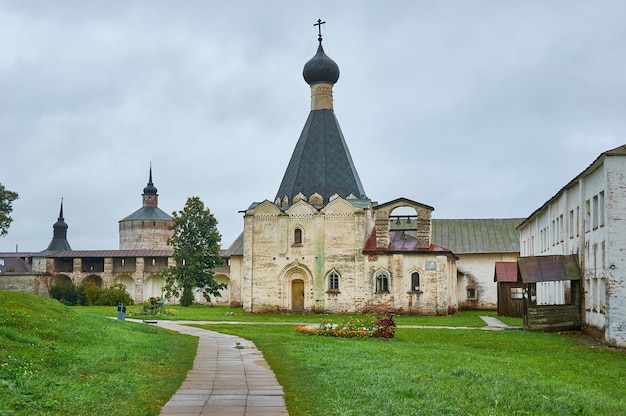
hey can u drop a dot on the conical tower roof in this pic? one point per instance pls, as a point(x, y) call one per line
point(321, 162)
point(150, 209)
point(59, 236)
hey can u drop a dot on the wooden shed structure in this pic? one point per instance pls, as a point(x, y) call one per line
point(551, 292)
point(510, 291)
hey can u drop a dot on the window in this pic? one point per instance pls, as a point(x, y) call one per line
point(601, 207)
point(571, 224)
point(471, 293)
point(415, 282)
point(594, 212)
point(297, 236)
point(382, 282)
point(517, 293)
point(333, 282)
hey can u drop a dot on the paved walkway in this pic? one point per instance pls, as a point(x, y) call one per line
point(229, 377)
point(494, 323)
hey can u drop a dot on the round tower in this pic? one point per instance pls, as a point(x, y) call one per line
point(148, 228)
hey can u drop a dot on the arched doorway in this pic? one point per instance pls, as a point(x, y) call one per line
point(297, 294)
point(93, 279)
point(128, 283)
point(61, 280)
point(153, 287)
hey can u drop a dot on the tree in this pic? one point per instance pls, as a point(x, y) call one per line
point(196, 251)
point(6, 207)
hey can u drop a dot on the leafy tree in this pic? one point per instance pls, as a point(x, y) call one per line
point(196, 251)
point(6, 200)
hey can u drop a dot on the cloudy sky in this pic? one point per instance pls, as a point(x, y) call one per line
point(481, 109)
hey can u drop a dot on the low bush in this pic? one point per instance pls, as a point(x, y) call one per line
point(90, 295)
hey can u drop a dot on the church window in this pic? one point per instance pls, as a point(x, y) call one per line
point(382, 282)
point(333, 282)
point(297, 236)
point(415, 282)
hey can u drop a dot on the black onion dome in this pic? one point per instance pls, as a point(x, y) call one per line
point(320, 68)
point(60, 224)
point(150, 189)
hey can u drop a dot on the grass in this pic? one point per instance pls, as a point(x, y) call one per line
point(227, 314)
point(439, 371)
point(57, 360)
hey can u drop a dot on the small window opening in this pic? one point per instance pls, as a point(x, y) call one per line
point(471, 293)
point(333, 281)
point(382, 282)
point(517, 293)
point(297, 236)
point(415, 282)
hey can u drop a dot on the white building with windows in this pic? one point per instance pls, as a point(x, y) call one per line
point(322, 245)
point(587, 217)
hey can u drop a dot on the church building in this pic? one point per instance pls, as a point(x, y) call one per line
point(321, 244)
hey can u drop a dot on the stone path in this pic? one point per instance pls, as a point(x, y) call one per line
point(493, 322)
point(229, 377)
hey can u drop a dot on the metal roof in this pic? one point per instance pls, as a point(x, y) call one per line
point(148, 213)
point(16, 264)
point(506, 271)
point(401, 242)
point(548, 268)
point(112, 253)
point(236, 248)
point(474, 236)
point(321, 162)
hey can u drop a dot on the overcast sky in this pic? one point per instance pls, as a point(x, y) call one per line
point(481, 109)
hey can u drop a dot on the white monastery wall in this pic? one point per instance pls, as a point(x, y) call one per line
point(476, 273)
point(588, 218)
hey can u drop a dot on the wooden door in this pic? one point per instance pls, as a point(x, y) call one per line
point(297, 295)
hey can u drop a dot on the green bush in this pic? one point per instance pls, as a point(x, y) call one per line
point(90, 295)
point(153, 306)
point(68, 294)
point(115, 295)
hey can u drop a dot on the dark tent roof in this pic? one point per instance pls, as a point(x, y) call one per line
point(321, 162)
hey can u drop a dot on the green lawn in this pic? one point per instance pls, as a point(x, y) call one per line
point(57, 360)
point(441, 371)
point(228, 314)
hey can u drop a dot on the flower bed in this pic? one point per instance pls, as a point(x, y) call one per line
point(353, 328)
